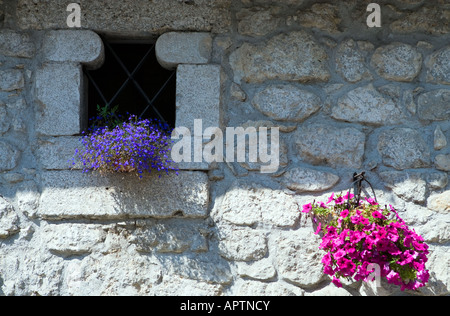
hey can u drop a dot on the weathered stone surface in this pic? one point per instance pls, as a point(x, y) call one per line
point(428, 19)
point(249, 204)
point(439, 266)
point(397, 61)
point(286, 103)
point(258, 21)
point(78, 46)
point(176, 48)
point(350, 61)
point(4, 122)
point(58, 95)
point(259, 270)
point(309, 180)
point(404, 148)
point(242, 244)
point(442, 162)
point(367, 105)
point(292, 57)
point(199, 90)
point(15, 44)
point(11, 80)
point(409, 186)
point(72, 239)
point(298, 258)
point(439, 202)
point(57, 153)
point(9, 156)
point(440, 141)
point(438, 68)
point(9, 221)
point(173, 237)
point(131, 17)
point(324, 16)
point(326, 144)
point(434, 105)
point(74, 194)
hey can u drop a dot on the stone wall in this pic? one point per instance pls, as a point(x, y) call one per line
point(346, 98)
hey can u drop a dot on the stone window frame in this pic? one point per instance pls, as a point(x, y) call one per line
point(59, 88)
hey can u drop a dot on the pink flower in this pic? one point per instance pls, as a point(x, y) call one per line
point(339, 200)
point(351, 196)
point(307, 208)
point(377, 214)
point(344, 213)
point(319, 227)
point(371, 201)
point(331, 198)
point(337, 282)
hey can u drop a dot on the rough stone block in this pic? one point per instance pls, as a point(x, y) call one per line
point(72, 239)
point(367, 105)
point(434, 105)
point(11, 80)
point(293, 57)
point(199, 90)
point(58, 95)
point(9, 156)
point(74, 194)
point(176, 48)
point(309, 180)
point(286, 103)
point(78, 46)
point(438, 66)
point(397, 61)
point(16, 44)
point(336, 147)
point(56, 153)
point(404, 148)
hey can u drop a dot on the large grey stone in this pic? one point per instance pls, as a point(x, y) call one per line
point(308, 180)
point(438, 67)
point(367, 105)
point(11, 79)
point(250, 204)
point(72, 239)
point(431, 19)
point(176, 48)
point(439, 202)
point(324, 16)
point(199, 89)
point(442, 162)
point(242, 244)
point(298, 257)
point(77, 46)
point(397, 61)
point(286, 103)
point(440, 141)
point(4, 122)
point(409, 186)
point(404, 148)
point(9, 156)
point(330, 145)
point(295, 56)
point(9, 221)
point(58, 90)
point(350, 61)
point(258, 21)
point(434, 105)
point(16, 44)
point(58, 153)
point(74, 194)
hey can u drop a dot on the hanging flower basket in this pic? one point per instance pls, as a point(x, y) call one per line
point(360, 235)
point(135, 146)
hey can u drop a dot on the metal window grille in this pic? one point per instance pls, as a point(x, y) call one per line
point(132, 78)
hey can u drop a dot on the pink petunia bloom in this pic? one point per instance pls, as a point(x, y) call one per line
point(307, 208)
point(344, 213)
point(346, 196)
point(377, 214)
point(339, 200)
point(331, 198)
point(337, 282)
point(371, 201)
point(319, 227)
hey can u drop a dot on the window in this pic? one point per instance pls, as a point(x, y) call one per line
point(132, 79)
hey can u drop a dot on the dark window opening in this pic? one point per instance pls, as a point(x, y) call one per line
point(132, 79)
